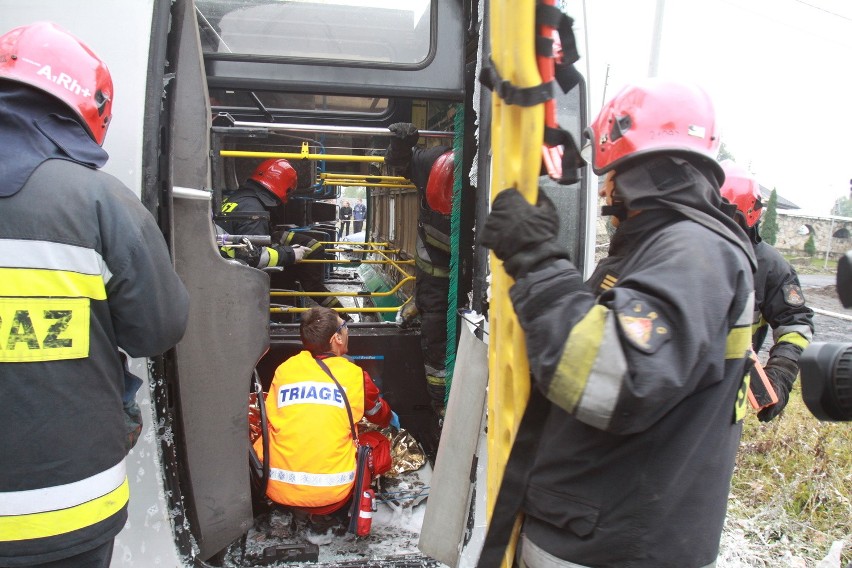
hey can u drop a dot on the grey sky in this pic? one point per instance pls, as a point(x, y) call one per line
point(778, 70)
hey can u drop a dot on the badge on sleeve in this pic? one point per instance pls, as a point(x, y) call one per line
point(793, 295)
point(643, 326)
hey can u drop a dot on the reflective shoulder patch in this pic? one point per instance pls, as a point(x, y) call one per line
point(642, 325)
point(793, 295)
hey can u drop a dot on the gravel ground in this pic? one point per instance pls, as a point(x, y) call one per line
point(833, 324)
point(829, 328)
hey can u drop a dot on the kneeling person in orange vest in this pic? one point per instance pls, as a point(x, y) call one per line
point(316, 399)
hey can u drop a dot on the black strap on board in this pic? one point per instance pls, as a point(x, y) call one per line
point(510, 498)
point(361, 456)
point(345, 399)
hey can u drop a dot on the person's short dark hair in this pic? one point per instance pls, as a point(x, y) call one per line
point(318, 325)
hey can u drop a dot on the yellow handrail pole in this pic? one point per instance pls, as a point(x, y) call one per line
point(364, 184)
point(359, 243)
point(516, 134)
point(396, 264)
point(329, 175)
point(293, 310)
point(292, 294)
point(345, 261)
point(361, 250)
point(300, 156)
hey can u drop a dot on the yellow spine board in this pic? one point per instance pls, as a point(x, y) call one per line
point(517, 134)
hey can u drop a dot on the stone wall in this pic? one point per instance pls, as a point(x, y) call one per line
point(792, 236)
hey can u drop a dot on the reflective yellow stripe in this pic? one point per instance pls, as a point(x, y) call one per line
point(795, 339)
point(431, 269)
point(20, 282)
point(43, 329)
point(738, 343)
point(273, 256)
point(741, 404)
point(578, 358)
point(438, 244)
point(52, 523)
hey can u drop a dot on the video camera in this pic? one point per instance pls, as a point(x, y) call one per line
point(827, 367)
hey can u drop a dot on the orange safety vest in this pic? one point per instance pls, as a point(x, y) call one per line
point(312, 454)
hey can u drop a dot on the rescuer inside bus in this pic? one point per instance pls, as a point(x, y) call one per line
point(85, 272)
point(638, 372)
point(431, 171)
point(312, 458)
point(779, 302)
point(257, 206)
point(246, 211)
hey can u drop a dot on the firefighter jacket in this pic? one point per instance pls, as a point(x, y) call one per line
point(432, 263)
point(312, 453)
point(84, 271)
point(780, 304)
point(433, 228)
point(644, 368)
point(247, 211)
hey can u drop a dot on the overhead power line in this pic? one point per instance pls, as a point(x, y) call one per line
point(821, 9)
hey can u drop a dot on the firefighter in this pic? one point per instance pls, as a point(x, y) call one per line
point(627, 447)
point(431, 171)
point(84, 272)
point(254, 209)
point(246, 211)
point(779, 302)
point(312, 458)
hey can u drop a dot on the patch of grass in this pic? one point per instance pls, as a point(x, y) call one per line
point(812, 265)
point(791, 495)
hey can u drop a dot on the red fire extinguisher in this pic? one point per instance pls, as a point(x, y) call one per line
point(365, 512)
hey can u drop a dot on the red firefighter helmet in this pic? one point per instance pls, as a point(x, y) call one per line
point(654, 116)
point(741, 189)
point(278, 176)
point(439, 188)
point(47, 57)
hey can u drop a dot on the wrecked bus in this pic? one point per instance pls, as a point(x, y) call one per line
point(205, 90)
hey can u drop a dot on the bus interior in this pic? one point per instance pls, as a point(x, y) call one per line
point(318, 84)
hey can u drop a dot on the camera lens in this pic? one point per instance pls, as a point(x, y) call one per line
point(827, 380)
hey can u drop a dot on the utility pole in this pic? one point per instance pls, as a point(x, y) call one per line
point(656, 39)
point(606, 83)
point(830, 236)
point(828, 249)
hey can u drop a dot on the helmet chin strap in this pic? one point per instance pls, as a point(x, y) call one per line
point(617, 210)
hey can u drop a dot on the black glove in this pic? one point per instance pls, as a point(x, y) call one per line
point(405, 135)
point(132, 424)
point(520, 234)
point(248, 254)
point(405, 132)
point(782, 374)
point(406, 315)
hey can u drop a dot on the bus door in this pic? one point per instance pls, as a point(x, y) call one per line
point(267, 62)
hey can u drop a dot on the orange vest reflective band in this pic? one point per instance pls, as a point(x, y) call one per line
point(312, 454)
